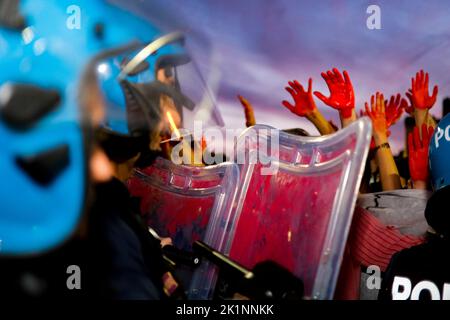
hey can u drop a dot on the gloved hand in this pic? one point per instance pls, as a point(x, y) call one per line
point(418, 153)
point(248, 110)
point(419, 89)
point(304, 102)
point(342, 97)
point(377, 114)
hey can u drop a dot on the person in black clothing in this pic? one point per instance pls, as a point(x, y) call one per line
point(422, 272)
point(127, 255)
point(115, 253)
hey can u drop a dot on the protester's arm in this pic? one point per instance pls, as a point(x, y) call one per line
point(342, 97)
point(304, 106)
point(390, 178)
point(319, 121)
point(420, 99)
point(394, 110)
point(418, 156)
point(248, 110)
point(347, 121)
point(430, 121)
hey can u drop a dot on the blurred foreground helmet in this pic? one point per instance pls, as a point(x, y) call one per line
point(45, 46)
point(439, 154)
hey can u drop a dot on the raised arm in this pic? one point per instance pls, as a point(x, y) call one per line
point(390, 178)
point(248, 110)
point(304, 106)
point(418, 156)
point(342, 96)
point(394, 110)
point(420, 99)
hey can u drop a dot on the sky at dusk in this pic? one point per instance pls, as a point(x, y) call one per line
point(255, 46)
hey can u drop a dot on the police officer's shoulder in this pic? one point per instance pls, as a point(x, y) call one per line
point(436, 211)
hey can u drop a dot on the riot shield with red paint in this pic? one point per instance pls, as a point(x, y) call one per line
point(297, 199)
point(188, 203)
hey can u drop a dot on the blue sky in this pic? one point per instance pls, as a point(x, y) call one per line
point(256, 46)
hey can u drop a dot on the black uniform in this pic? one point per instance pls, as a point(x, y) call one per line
point(128, 257)
point(423, 272)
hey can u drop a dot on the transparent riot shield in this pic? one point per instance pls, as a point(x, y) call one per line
point(297, 199)
point(188, 204)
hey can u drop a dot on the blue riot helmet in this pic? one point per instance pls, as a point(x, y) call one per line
point(436, 211)
point(439, 154)
point(132, 112)
point(145, 87)
point(44, 48)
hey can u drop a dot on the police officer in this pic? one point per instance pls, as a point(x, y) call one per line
point(422, 272)
point(53, 172)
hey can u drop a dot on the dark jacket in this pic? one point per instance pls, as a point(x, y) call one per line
point(118, 259)
point(424, 270)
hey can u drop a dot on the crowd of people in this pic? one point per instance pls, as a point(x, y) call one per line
point(373, 241)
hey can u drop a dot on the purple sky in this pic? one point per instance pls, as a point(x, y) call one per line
point(258, 45)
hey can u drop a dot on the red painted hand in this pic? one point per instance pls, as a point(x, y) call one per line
point(418, 153)
point(342, 97)
point(394, 109)
point(304, 102)
point(419, 88)
point(377, 113)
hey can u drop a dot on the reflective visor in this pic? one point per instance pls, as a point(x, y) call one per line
point(150, 89)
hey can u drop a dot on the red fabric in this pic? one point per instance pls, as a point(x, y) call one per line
point(369, 243)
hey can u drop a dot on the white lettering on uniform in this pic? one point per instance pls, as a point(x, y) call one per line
point(405, 284)
point(401, 289)
point(447, 133)
point(425, 285)
point(438, 136)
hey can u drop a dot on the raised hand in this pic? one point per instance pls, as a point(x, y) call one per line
point(419, 91)
point(394, 109)
point(418, 153)
point(390, 179)
point(377, 114)
point(304, 103)
point(248, 110)
point(342, 97)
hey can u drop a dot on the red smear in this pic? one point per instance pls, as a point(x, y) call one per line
point(183, 218)
point(280, 203)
